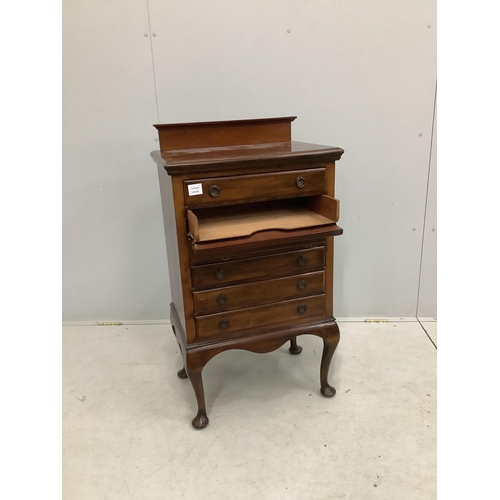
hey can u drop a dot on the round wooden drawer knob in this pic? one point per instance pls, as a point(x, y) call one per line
point(224, 324)
point(214, 191)
point(221, 299)
point(302, 261)
point(301, 285)
point(219, 274)
point(300, 182)
point(302, 309)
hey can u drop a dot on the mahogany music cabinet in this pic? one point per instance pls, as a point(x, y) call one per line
point(249, 217)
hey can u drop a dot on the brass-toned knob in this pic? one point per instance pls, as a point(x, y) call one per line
point(214, 191)
point(224, 324)
point(301, 309)
point(219, 274)
point(302, 261)
point(300, 182)
point(221, 299)
point(301, 285)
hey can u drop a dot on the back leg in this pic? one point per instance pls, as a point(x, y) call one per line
point(294, 348)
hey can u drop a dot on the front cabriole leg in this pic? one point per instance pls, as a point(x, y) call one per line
point(330, 342)
point(194, 367)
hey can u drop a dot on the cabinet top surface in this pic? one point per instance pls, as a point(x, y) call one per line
point(190, 147)
point(177, 161)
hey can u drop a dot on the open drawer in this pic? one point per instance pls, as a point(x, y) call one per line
point(258, 223)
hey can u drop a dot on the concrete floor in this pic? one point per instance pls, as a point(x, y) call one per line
point(127, 432)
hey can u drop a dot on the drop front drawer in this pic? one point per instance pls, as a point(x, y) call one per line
point(290, 312)
point(223, 273)
point(243, 188)
point(260, 292)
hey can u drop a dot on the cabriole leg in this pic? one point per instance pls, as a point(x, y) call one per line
point(329, 345)
point(194, 374)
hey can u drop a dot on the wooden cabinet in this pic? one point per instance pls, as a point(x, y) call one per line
point(250, 217)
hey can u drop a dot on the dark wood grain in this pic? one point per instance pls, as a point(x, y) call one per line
point(255, 340)
point(268, 247)
point(180, 234)
point(180, 337)
point(177, 136)
point(172, 243)
point(263, 282)
point(199, 354)
point(329, 248)
point(230, 323)
point(260, 292)
point(194, 367)
point(330, 343)
point(244, 188)
point(223, 273)
point(271, 156)
point(207, 249)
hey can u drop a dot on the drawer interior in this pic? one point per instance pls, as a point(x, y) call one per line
point(222, 223)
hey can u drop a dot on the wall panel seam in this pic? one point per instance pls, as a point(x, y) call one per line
point(431, 145)
point(153, 64)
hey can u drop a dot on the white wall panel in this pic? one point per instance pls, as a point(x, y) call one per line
point(359, 74)
point(427, 297)
point(114, 256)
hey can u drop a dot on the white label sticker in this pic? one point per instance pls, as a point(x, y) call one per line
point(194, 189)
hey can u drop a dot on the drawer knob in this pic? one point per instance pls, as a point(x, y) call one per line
point(225, 256)
point(224, 324)
point(301, 309)
point(302, 261)
point(300, 182)
point(214, 191)
point(221, 299)
point(301, 285)
point(219, 274)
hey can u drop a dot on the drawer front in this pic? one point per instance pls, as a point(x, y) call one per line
point(222, 273)
point(243, 188)
point(260, 292)
point(290, 312)
point(266, 249)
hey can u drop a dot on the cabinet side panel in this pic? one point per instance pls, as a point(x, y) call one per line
point(330, 191)
point(167, 203)
point(185, 270)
